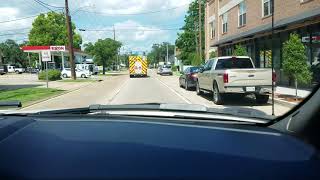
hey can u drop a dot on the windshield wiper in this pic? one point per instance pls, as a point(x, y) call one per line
point(181, 111)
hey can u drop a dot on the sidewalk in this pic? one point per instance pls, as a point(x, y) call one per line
point(66, 86)
point(286, 96)
point(292, 91)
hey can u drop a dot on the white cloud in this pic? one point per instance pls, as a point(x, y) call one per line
point(131, 33)
point(14, 27)
point(141, 36)
point(134, 6)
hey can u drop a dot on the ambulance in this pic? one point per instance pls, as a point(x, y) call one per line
point(138, 66)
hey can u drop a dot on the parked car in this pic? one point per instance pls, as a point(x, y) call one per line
point(236, 75)
point(166, 69)
point(13, 69)
point(32, 70)
point(3, 69)
point(188, 78)
point(65, 73)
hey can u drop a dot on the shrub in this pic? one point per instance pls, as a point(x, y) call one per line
point(213, 54)
point(240, 51)
point(174, 68)
point(53, 75)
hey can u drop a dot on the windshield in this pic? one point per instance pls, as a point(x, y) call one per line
point(234, 63)
point(194, 69)
point(216, 54)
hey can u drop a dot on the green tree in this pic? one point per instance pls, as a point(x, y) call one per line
point(295, 61)
point(158, 52)
point(186, 40)
point(89, 48)
point(195, 59)
point(213, 54)
point(50, 29)
point(104, 51)
point(240, 51)
point(11, 53)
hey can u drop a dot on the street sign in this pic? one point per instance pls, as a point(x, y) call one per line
point(46, 56)
point(57, 48)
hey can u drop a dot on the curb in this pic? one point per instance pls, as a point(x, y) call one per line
point(283, 103)
point(52, 97)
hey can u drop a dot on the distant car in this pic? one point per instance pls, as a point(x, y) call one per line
point(188, 78)
point(13, 69)
point(65, 73)
point(159, 69)
point(3, 69)
point(32, 70)
point(166, 69)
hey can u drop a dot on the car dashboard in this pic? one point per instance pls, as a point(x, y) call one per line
point(144, 148)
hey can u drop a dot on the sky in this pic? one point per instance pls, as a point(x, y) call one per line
point(138, 23)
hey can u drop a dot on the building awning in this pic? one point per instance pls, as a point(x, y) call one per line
point(264, 28)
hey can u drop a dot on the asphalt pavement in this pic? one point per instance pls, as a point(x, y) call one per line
point(152, 89)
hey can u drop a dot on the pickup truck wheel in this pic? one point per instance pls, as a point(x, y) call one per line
point(64, 75)
point(198, 89)
point(17, 72)
point(217, 97)
point(186, 86)
point(262, 99)
point(83, 76)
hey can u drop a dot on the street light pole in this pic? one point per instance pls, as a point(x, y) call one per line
point(272, 54)
point(70, 41)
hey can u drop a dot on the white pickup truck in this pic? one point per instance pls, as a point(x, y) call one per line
point(13, 69)
point(235, 74)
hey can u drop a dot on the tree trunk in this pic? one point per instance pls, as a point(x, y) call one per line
point(104, 68)
point(296, 85)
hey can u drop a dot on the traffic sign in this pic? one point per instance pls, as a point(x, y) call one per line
point(46, 56)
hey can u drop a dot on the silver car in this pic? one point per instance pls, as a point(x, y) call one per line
point(166, 69)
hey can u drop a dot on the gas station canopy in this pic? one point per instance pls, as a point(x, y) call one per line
point(56, 50)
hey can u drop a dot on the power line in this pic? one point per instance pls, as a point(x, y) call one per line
point(58, 7)
point(40, 3)
point(10, 30)
point(13, 34)
point(22, 18)
point(18, 19)
point(137, 29)
point(133, 14)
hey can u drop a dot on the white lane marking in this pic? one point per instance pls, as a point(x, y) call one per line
point(174, 91)
point(118, 91)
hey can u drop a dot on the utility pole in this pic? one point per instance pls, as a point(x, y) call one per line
point(272, 55)
point(196, 37)
point(70, 41)
point(114, 38)
point(167, 53)
point(200, 25)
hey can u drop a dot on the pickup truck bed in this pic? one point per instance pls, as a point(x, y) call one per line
point(235, 75)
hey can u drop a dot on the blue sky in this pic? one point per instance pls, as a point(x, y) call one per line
point(135, 27)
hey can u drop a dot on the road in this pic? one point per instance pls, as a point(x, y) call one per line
point(152, 89)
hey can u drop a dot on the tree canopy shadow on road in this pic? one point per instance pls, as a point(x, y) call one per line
point(17, 86)
point(236, 100)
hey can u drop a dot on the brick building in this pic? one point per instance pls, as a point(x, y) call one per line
point(248, 22)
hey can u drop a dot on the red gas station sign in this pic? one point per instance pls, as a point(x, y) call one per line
point(57, 48)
